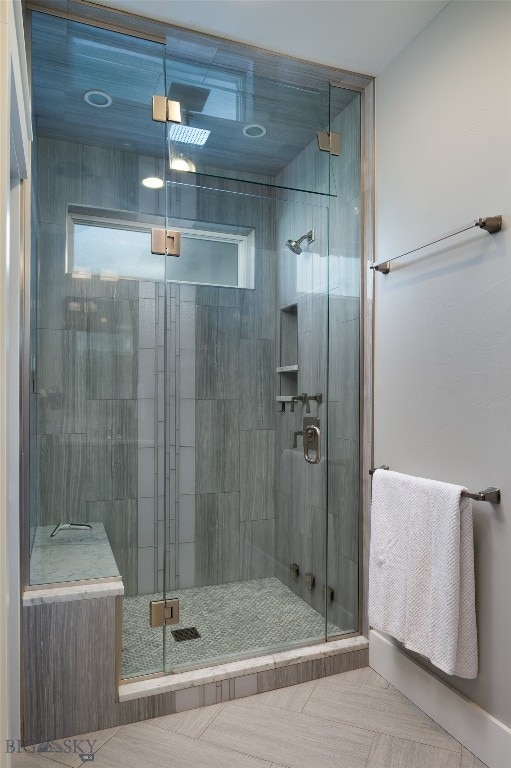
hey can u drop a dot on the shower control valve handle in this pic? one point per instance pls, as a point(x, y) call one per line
point(303, 398)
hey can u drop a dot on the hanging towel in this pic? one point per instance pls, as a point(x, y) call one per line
point(421, 569)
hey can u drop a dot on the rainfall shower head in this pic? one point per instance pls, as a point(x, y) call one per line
point(186, 134)
point(294, 245)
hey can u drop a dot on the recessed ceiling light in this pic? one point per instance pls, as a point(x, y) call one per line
point(98, 99)
point(152, 182)
point(181, 164)
point(254, 130)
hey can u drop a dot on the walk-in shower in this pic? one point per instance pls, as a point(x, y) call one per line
point(173, 387)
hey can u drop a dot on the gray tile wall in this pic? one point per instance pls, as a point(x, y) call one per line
point(100, 378)
point(95, 432)
point(234, 406)
point(100, 425)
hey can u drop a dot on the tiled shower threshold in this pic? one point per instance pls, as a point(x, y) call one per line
point(242, 673)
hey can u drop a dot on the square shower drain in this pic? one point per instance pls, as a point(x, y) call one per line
point(189, 633)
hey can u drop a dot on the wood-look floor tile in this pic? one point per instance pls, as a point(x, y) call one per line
point(288, 738)
point(28, 760)
point(468, 760)
point(141, 744)
point(72, 747)
point(363, 676)
point(192, 723)
point(292, 698)
point(391, 752)
point(376, 709)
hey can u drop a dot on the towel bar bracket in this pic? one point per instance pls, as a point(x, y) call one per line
point(490, 224)
point(491, 494)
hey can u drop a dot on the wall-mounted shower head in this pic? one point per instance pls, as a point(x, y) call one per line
point(294, 245)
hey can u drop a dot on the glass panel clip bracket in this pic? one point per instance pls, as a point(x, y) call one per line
point(163, 612)
point(165, 110)
point(165, 242)
point(329, 142)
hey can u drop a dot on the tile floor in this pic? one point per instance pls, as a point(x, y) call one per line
point(352, 720)
point(250, 618)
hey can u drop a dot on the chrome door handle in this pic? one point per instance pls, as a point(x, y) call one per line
point(312, 441)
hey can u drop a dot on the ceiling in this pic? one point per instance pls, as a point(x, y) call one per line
point(223, 88)
point(358, 35)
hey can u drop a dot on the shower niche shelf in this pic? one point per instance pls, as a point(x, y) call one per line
point(289, 366)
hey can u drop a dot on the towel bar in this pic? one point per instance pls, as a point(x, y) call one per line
point(489, 494)
point(490, 224)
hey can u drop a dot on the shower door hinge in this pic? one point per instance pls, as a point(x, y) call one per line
point(329, 142)
point(163, 612)
point(165, 242)
point(166, 111)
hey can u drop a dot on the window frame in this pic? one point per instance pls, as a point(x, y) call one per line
point(242, 237)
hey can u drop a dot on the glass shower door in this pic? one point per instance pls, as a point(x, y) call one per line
point(247, 352)
point(254, 198)
point(344, 364)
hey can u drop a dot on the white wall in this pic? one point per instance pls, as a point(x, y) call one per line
point(443, 318)
point(348, 34)
point(14, 137)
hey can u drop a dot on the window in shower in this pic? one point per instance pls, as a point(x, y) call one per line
point(101, 243)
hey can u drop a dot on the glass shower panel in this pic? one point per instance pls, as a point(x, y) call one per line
point(249, 566)
point(243, 117)
point(98, 336)
point(344, 365)
point(171, 394)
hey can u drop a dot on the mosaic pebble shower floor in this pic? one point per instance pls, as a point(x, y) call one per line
point(234, 621)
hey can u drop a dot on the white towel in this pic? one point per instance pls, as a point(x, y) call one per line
point(421, 569)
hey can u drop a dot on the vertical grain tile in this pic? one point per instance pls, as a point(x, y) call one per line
point(256, 373)
point(186, 518)
point(146, 569)
point(217, 538)
point(62, 477)
point(124, 449)
point(217, 450)
point(186, 565)
point(257, 548)
point(120, 521)
point(257, 480)
point(246, 685)
point(218, 352)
